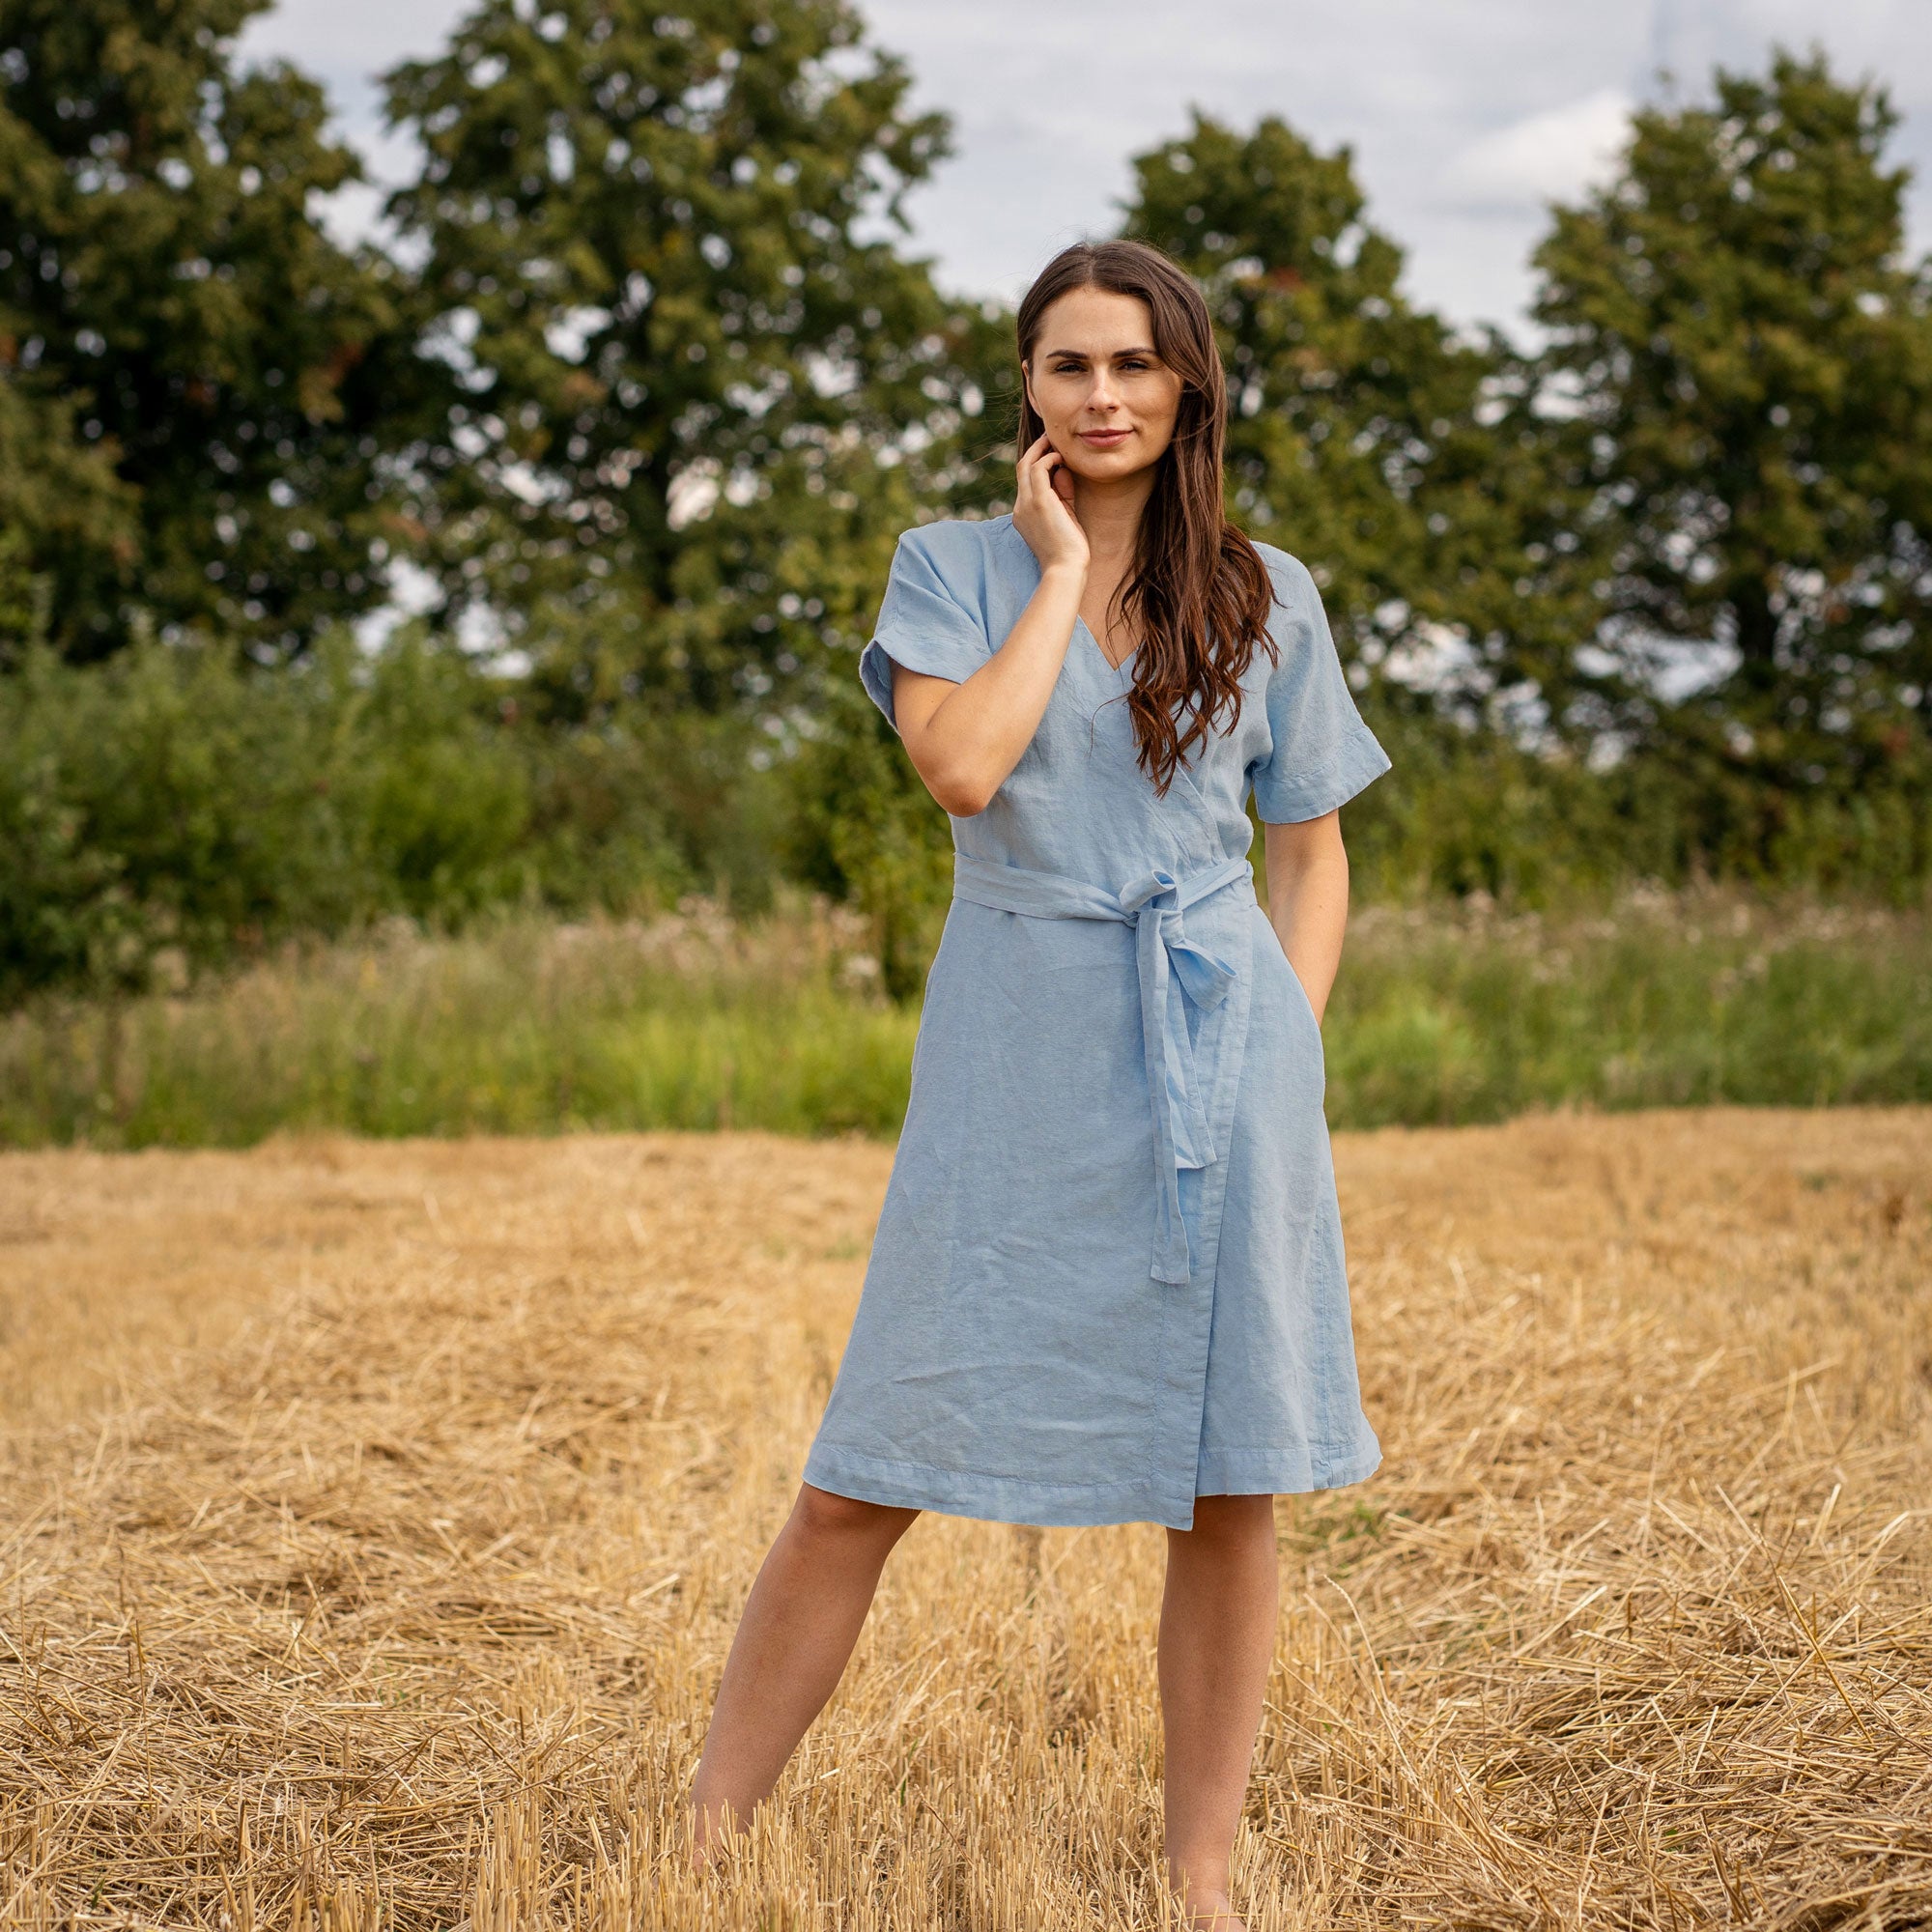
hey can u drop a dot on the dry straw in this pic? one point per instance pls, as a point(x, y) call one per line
point(393, 1590)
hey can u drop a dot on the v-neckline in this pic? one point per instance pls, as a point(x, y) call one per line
point(1082, 624)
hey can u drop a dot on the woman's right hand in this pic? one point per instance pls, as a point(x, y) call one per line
point(1043, 510)
point(964, 738)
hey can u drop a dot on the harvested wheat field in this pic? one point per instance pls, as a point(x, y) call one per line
point(377, 1516)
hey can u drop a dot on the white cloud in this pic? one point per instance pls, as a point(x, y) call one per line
point(1555, 155)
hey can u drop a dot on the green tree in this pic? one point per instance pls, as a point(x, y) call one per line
point(1394, 456)
point(1743, 358)
point(703, 389)
point(67, 529)
point(181, 343)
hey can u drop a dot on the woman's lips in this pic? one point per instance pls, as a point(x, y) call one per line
point(1104, 439)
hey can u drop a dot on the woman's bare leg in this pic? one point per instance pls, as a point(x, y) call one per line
point(801, 1621)
point(1217, 1628)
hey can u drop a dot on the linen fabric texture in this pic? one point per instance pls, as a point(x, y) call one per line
point(1109, 1273)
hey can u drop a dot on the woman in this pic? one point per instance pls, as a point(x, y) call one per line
point(1107, 1284)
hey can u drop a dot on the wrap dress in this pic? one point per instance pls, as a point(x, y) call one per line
point(1108, 1275)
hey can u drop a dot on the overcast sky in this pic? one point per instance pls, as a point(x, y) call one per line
point(1465, 116)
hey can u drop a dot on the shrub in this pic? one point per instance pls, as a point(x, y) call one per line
point(175, 805)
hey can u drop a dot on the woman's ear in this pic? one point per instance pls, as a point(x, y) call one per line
point(1026, 386)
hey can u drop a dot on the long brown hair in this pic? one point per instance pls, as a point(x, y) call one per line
point(1198, 591)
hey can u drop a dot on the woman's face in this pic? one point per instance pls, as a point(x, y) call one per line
point(1107, 399)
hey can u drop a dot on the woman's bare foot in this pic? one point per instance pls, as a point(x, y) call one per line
point(712, 1828)
point(1212, 1912)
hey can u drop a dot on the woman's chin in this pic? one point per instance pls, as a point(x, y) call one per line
point(1106, 466)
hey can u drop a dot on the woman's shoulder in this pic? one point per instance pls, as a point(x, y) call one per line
point(958, 539)
point(974, 559)
point(1293, 579)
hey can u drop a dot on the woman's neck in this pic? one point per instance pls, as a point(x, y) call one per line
point(1110, 514)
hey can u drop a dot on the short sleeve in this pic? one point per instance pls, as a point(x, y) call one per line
point(924, 623)
point(1321, 753)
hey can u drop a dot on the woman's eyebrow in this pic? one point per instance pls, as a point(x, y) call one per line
point(1082, 355)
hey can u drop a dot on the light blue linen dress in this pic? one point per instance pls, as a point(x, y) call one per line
point(1108, 1275)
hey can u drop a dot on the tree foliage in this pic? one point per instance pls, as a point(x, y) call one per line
point(204, 381)
point(701, 382)
point(1744, 360)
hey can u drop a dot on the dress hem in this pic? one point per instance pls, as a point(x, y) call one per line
point(1077, 1506)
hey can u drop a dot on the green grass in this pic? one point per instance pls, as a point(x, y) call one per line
point(1657, 1000)
point(526, 1027)
point(1442, 1014)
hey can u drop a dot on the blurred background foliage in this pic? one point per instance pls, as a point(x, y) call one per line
point(514, 562)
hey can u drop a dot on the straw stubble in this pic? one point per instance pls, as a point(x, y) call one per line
point(378, 1517)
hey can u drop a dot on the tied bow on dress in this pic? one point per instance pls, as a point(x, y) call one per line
point(1173, 971)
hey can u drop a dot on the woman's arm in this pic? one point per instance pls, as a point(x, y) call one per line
point(1308, 898)
point(964, 738)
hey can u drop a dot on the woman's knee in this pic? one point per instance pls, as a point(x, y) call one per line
point(822, 1513)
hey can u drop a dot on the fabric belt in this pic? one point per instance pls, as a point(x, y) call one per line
point(1170, 965)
